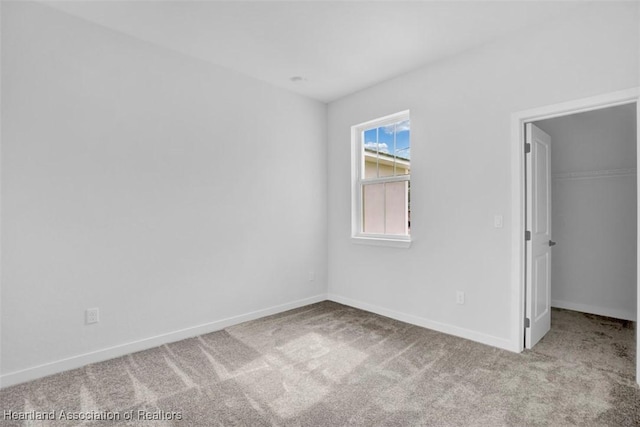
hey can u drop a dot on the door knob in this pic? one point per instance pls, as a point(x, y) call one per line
point(552, 243)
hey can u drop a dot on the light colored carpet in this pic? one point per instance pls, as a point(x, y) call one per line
point(330, 365)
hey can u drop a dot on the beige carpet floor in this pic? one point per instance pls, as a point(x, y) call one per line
point(331, 365)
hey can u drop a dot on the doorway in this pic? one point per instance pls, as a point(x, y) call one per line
point(520, 123)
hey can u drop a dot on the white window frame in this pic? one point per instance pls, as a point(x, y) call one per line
point(357, 181)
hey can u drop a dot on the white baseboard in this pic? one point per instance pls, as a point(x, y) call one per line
point(81, 360)
point(429, 324)
point(592, 309)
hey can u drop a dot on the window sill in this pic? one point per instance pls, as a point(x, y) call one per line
point(379, 241)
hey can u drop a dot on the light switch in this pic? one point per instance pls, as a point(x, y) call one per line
point(498, 221)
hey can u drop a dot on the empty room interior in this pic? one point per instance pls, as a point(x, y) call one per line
point(319, 213)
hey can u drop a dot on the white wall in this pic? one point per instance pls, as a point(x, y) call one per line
point(157, 187)
point(460, 116)
point(593, 165)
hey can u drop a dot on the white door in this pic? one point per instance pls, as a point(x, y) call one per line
point(538, 247)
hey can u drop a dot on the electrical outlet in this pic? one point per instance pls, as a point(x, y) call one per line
point(460, 297)
point(92, 316)
point(312, 276)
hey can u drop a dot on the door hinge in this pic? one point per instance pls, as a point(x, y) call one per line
point(527, 148)
point(527, 322)
point(527, 235)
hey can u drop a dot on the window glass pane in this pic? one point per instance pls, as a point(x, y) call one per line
point(373, 208)
point(402, 148)
point(386, 162)
point(385, 208)
point(396, 202)
point(387, 150)
point(371, 148)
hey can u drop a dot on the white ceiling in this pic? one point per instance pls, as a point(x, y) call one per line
point(338, 47)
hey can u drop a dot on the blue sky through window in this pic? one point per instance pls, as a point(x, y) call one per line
point(382, 139)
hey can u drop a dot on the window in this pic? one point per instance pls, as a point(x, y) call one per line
point(381, 207)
